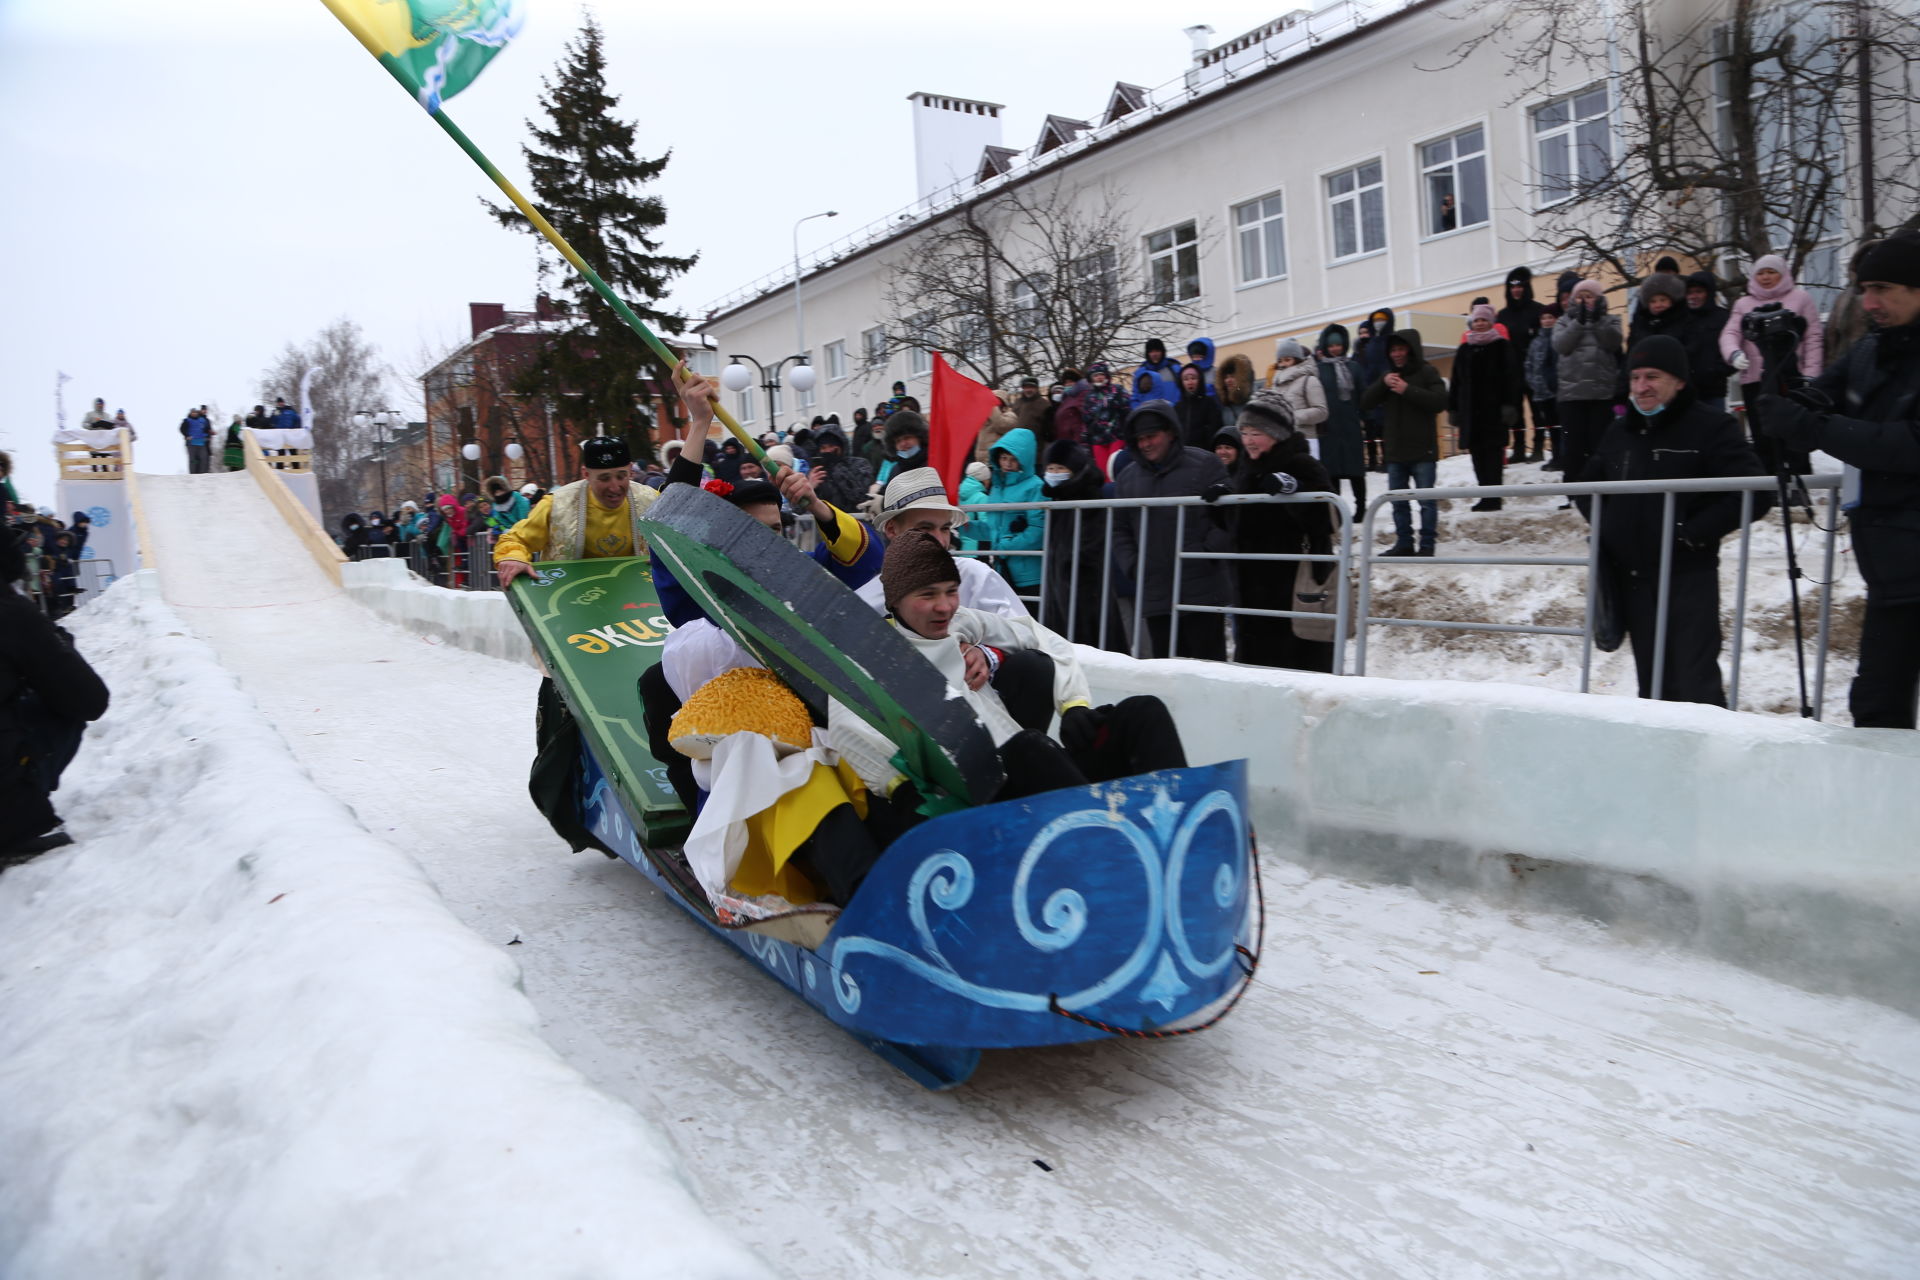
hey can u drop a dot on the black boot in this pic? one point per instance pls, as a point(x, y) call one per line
point(1486, 504)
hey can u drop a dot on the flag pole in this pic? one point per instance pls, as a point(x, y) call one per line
point(558, 241)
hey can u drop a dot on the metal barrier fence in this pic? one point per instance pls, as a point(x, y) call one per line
point(1746, 486)
point(1340, 518)
point(1354, 560)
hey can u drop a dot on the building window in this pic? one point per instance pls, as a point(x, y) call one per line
point(1357, 202)
point(1029, 314)
point(1262, 228)
point(1573, 143)
point(743, 405)
point(1173, 263)
point(920, 359)
point(704, 362)
point(836, 361)
point(873, 347)
point(1096, 285)
point(1453, 173)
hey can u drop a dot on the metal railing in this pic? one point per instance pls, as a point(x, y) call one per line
point(1598, 492)
point(1341, 518)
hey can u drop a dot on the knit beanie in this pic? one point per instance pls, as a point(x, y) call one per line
point(1661, 352)
point(1482, 311)
point(914, 560)
point(1289, 348)
point(1895, 260)
point(1588, 287)
point(1268, 413)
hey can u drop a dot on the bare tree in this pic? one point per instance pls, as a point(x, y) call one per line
point(1027, 280)
point(1750, 129)
point(352, 377)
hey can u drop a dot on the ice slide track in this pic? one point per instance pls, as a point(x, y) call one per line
point(1411, 1088)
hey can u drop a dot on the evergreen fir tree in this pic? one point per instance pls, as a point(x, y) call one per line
point(587, 181)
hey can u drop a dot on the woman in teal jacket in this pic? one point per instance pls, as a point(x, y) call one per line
point(1015, 479)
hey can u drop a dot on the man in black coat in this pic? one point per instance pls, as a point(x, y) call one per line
point(1164, 468)
point(47, 695)
point(843, 477)
point(1874, 427)
point(1667, 434)
point(1520, 316)
point(1701, 337)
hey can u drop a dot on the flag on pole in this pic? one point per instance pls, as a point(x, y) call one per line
point(958, 408)
point(434, 47)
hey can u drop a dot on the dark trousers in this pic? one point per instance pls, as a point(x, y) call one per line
point(1025, 685)
point(1887, 680)
point(1692, 671)
point(658, 707)
point(554, 782)
point(1137, 735)
point(1202, 635)
point(1582, 423)
point(199, 456)
point(1489, 450)
point(1357, 488)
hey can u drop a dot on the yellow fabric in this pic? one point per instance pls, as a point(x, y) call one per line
point(774, 833)
point(609, 533)
point(850, 538)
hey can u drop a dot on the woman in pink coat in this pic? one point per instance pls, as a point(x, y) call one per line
point(1770, 281)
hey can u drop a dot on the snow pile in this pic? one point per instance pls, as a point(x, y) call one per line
point(239, 1036)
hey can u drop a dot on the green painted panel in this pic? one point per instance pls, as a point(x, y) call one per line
point(598, 626)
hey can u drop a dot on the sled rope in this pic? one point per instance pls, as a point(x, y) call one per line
point(1249, 965)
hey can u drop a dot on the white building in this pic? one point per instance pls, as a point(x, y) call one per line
point(1291, 177)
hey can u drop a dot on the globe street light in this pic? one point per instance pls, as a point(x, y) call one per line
point(737, 377)
point(385, 421)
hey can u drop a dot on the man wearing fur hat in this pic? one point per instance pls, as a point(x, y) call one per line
point(1667, 434)
point(1867, 414)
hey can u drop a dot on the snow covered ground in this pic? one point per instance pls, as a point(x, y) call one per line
point(198, 1080)
point(1556, 597)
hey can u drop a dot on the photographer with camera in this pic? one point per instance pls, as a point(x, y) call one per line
point(1865, 411)
point(1772, 292)
point(1669, 434)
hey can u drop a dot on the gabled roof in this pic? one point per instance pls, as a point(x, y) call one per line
point(1125, 99)
point(995, 161)
point(1058, 131)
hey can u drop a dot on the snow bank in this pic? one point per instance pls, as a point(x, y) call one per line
point(479, 621)
point(1778, 844)
point(240, 1036)
point(1782, 845)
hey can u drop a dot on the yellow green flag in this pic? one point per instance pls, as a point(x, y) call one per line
point(434, 47)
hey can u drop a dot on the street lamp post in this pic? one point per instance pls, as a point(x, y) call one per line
point(737, 377)
point(384, 420)
point(799, 315)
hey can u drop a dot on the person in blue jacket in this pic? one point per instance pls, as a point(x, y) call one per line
point(285, 417)
point(1016, 479)
point(1200, 356)
point(1165, 375)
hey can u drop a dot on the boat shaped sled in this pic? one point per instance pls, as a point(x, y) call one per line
point(1120, 908)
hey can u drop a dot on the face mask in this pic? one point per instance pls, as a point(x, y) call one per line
point(1649, 413)
point(912, 452)
point(1058, 477)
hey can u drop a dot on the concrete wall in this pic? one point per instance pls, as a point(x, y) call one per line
point(1780, 845)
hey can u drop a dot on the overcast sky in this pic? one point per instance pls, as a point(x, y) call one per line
point(189, 187)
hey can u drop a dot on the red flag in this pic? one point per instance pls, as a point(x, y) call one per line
point(959, 409)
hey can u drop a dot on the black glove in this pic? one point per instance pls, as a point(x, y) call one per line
point(1080, 730)
point(1791, 422)
point(1215, 491)
point(1018, 526)
point(1277, 482)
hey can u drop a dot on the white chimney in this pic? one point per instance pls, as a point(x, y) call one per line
point(1199, 35)
point(949, 136)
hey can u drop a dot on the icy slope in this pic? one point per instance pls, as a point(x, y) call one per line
point(1367, 1112)
point(241, 1037)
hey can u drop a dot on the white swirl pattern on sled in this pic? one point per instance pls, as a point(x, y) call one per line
point(945, 880)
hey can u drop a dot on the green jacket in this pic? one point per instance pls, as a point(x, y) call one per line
point(1410, 430)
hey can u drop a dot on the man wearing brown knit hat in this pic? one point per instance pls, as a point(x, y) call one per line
point(920, 582)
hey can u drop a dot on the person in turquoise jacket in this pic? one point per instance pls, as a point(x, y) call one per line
point(1015, 479)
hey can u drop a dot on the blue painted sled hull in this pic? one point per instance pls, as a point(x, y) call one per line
point(1123, 902)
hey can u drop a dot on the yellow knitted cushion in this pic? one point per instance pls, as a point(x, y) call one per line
point(746, 698)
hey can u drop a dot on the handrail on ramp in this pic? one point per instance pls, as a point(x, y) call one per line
point(325, 554)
